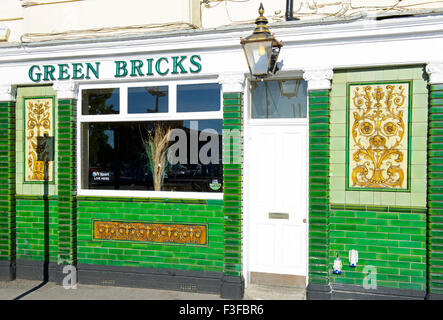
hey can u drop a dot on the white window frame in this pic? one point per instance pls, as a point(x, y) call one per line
point(124, 116)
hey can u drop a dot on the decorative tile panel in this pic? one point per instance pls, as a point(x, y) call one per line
point(152, 232)
point(378, 135)
point(39, 128)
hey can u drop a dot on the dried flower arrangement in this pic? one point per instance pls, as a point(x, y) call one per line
point(156, 143)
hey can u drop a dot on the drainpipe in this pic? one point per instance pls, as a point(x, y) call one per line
point(289, 11)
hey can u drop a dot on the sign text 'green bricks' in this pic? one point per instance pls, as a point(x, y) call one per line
point(122, 68)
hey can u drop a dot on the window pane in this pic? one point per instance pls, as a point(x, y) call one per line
point(148, 99)
point(100, 101)
point(279, 99)
point(198, 97)
point(139, 155)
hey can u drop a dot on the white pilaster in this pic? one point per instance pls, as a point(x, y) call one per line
point(435, 72)
point(232, 82)
point(7, 92)
point(318, 79)
point(66, 89)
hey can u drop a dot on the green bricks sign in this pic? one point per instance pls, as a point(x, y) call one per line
point(121, 69)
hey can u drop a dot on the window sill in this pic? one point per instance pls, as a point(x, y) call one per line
point(151, 194)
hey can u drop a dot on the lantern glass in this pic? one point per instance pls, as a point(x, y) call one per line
point(258, 54)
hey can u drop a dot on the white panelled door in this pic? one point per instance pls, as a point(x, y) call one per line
point(278, 198)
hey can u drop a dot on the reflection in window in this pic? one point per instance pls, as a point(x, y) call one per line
point(198, 97)
point(100, 101)
point(148, 99)
point(137, 155)
point(279, 99)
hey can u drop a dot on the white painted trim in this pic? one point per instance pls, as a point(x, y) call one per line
point(435, 71)
point(153, 117)
point(307, 33)
point(7, 92)
point(66, 89)
point(123, 101)
point(318, 78)
point(172, 101)
point(246, 175)
point(124, 116)
point(172, 114)
point(307, 193)
point(151, 194)
point(279, 121)
point(232, 82)
point(399, 41)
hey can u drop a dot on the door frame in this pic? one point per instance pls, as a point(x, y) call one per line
point(247, 158)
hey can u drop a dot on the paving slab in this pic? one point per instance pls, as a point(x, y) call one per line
point(20, 289)
point(266, 292)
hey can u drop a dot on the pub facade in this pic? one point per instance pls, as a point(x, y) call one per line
point(157, 160)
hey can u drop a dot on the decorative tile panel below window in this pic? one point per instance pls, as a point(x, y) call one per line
point(38, 136)
point(151, 232)
point(378, 135)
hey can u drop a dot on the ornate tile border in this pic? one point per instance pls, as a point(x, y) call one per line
point(150, 232)
point(378, 136)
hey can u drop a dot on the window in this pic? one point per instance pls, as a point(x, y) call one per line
point(279, 99)
point(148, 99)
point(100, 101)
point(156, 140)
point(207, 93)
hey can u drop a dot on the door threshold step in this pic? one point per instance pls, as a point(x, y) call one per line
point(266, 292)
point(279, 280)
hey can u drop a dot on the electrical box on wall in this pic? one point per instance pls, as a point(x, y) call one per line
point(4, 33)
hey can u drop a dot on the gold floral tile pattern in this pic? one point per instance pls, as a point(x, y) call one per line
point(39, 127)
point(152, 232)
point(378, 135)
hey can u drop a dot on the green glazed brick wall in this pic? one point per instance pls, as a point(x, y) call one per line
point(435, 189)
point(35, 217)
point(37, 206)
point(7, 181)
point(66, 181)
point(147, 254)
point(387, 228)
point(318, 186)
point(232, 182)
point(391, 241)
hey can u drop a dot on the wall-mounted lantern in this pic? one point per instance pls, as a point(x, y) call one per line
point(261, 48)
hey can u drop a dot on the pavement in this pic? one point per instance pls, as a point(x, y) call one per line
point(21, 289)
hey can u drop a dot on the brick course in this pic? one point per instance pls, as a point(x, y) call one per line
point(145, 254)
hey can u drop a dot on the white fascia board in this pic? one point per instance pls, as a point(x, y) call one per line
point(310, 43)
point(361, 30)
